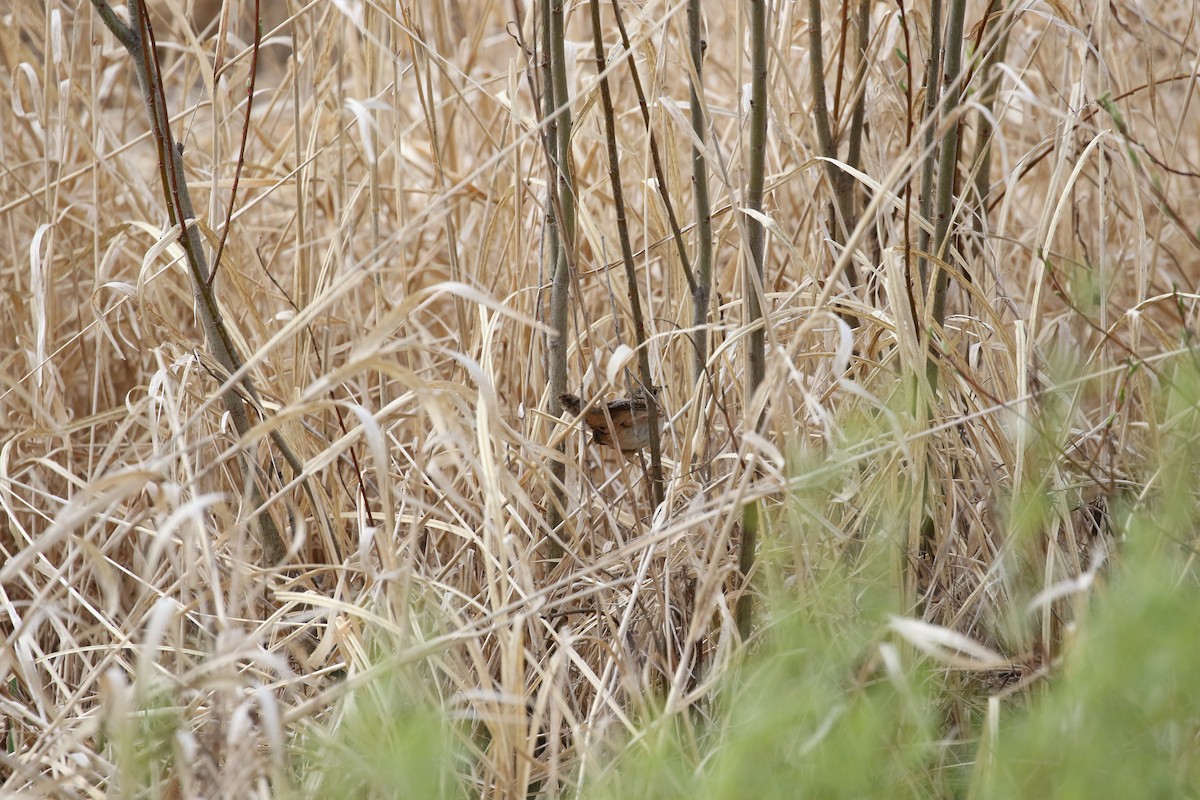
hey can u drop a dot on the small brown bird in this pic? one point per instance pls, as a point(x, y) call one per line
point(629, 415)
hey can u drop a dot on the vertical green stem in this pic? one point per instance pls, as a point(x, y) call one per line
point(947, 165)
point(982, 162)
point(702, 291)
point(933, 84)
point(560, 292)
point(854, 151)
point(755, 289)
point(561, 234)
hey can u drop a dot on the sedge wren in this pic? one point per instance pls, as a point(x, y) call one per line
point(630, 419)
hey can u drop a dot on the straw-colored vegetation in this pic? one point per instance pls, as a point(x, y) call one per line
point(970, 462)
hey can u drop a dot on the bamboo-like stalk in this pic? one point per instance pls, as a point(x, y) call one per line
point(635, 303)
point(755, 233)
point(840, 182)
point(859, 114)
point(702, 291)
point(560, 191)
point(756, 244)
point(933, 84)
point(981, 163)
point(947, 165)
point(840, 72)
point(137, 38)
point(947, 173)
point(565, 174)
point(858, 88)
point(702, 288)
point(549, 133)
point(565, 202)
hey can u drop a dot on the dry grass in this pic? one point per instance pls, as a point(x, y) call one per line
point(384, 274)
